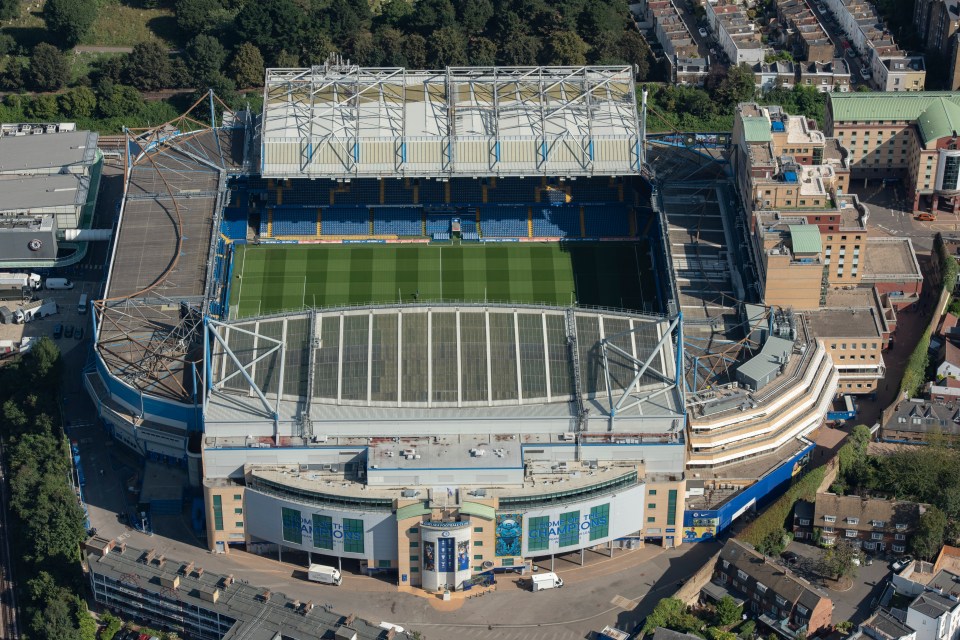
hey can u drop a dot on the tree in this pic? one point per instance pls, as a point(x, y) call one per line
point(634, 50)
point(79, 102)
point(148, 66)
point(48, 69)
point(448, 47)
point(43, 361)
point(473, 15)
point(120, 100)
point(838, 561)
point(415, 50)
point(204, 56)
point(844, 627)
point(9, 9)
point(928, 538)
point(199, 16)
point(714, 633)
point(43, 108)
point(666, 611)
point(246, 67)
point(736, 86)
point(746, 630)
point(728, 611)
point(567, 48)
point(482, 52)
point(69, 20)
point(520, 49)
point(269, 24)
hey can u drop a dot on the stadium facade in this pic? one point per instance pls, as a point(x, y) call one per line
point(436, 440)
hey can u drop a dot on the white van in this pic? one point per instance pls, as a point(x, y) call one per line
point(58, 283)
point(389, 626)
point(82, 305)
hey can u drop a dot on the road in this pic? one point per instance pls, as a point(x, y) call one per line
point(836, 37)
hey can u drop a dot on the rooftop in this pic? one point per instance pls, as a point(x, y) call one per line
point(476, 109)
point(805, 238)
point(20, 154)
point(793, 589)
point(921, 416)
point(829, 323)
point(890, 259)
point(29, 193)
point(883, 625)
point(257, 617)
point(866, 513)
point(900, 106)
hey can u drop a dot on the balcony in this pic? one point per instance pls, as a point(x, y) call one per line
point(784, 627)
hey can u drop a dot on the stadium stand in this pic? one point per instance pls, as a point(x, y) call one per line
point(441, 235)
point(294, 221)
point(429, 191)
point(512, 190)
point(504, 221)
point(398, 221)
point(345, 221)
point(469, 230)
point(396, 192)
point(595, 190)
point(438, 222)
point(606, 221)
point(234, 224)
point(556, 222)
point(311, 192)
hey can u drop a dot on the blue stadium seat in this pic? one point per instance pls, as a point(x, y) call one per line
point(513, 190)
point(466, 191)
point(441, 235)
point(294, 221)
point(606, 221)
point(430, 191)
point(394, 192)
point(398, 221)
point(503, 221)
point(599, 189)
point(556, 222)
point(310, 192)
point(343, 221)
point(438, 222)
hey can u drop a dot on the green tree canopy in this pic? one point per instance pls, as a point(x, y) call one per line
point(69, 20)
point(271, 25)
point(49, 69)
point(79, 102)
point(837, 561)
point(447, 47)
point(928, 538)
point(567, 48)
point(200, 16)
point(246, 66)
point(204, 56)
point(119, 100)
point(148, 66)
point(728, 611)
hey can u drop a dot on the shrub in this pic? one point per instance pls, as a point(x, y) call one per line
point(775, 517)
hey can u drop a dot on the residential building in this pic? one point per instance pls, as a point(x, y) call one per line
point(872, 524)
point(937, 23)
point(774, 75)
point(680, 51)
point(803, 520)
point(783, 602)
point(903, 73)
point(883, 625)
point(917, 421)
point(854, 339)
point(690, 71)
point(950, 367)
point(911, 136)
point(735, 33)
point(934, 616)
point(827, 77)
point(181, 596)
point(890, 266)
point(804, 33)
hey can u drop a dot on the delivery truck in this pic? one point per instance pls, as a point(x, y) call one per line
point(541, 581)
point(32, 311)
point(17, 286)
point(324, 574)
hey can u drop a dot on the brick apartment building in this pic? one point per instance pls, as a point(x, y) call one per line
point(872, 524)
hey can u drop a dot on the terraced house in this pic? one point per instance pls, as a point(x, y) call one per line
point(872, 524)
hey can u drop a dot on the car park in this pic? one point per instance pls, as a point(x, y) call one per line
point(58, 332)
point(68, 331)
point(702, 32)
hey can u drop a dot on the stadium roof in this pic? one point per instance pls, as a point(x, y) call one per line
point(429, 362)
point(20, 154)
point(344, 121)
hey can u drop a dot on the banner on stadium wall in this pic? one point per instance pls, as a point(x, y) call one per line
point(370, 241)
point(272, 241)
point(509, 534)
point(499, 239)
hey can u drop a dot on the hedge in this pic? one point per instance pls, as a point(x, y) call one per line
point(775, 517)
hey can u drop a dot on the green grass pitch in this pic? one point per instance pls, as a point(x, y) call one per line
point(271, 278)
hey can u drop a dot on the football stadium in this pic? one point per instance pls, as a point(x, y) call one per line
point(416, 323)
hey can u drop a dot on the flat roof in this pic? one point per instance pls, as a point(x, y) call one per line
point(843, 323)
point(768, 361)
point(805, 238)
point(47, 150)
point(27, 193)
point(890, 259)
point(454, 121)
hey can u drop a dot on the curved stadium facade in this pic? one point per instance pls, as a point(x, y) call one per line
point(434, 438)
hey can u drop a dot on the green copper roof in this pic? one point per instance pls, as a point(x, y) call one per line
point(411, 510)
point(886, 106)
point(756, 129)
point(805, 238)
point(940, 120)
point(478, 510)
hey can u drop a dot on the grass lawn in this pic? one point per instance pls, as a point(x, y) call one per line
point(124, 24)
point(271, 278)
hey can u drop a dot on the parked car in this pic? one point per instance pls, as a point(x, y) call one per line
point(78, 334)
point(68, 331)
point(58, 332)
point(901, 563)
point(865, 73)
point(790, 557)
point(821, 8)
point(851, 53)
point(702, 32)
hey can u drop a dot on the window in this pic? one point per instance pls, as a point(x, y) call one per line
point(726, 564)
point(478, 569)
point(652, 492)
point(599, 521)
point(218, 513)
point(762, 588)
point(804, 522)
point(414, 545)
point(478, 529)
point(478, 556)
point(237, 496)
point(741, 574)
point(802, 610)
point(506, 562)
point(672, 507)
point(899, 536)
point(570, 528)
point(238, 511)
point(849, 519)
point(851, 533)
point(901, 527)
point(414, 569)
point(537, 538)
point(414, 558)
point(414, 530)
point(651, 519)
point(828, 529)
point(292, 525)
point(322, 532)
point(651, 505)
point(781, 601)
point(876, 536)
point(898, 548)
point(831, 518)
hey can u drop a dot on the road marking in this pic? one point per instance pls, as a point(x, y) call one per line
point(623, 603)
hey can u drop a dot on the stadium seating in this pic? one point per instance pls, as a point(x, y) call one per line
point(503, 221)
point(264, 224)
point(438, 222)
point(294, 221)
point(513, 190)
point(466, 191)
point(593, 190)
point(311, 192)
point(363, 191)
point(430, 191)
point(441, 235)
point(468, 230)
point(398, 221)
point(606, 221)
point(394, 192)
point(556, 222)
point(234, 223)
point(343, 221)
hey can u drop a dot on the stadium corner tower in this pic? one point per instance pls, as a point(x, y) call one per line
point(410, 322)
